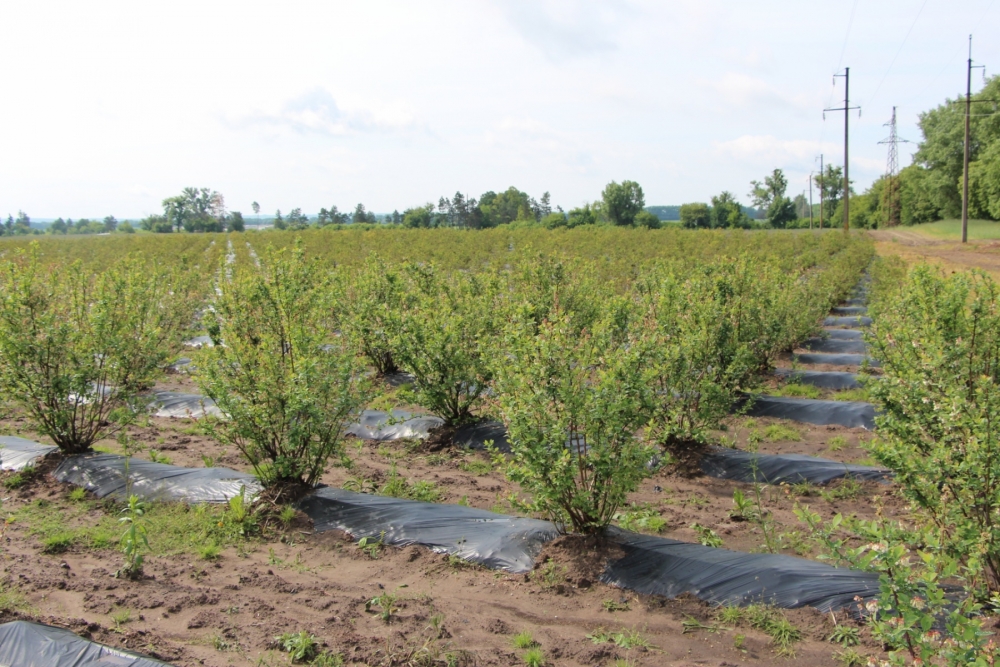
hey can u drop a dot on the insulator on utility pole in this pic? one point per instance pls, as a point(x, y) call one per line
point(846, 109)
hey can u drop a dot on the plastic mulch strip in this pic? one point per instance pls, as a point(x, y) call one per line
point(475, 436)
point(104, 475)
point(178, 404)
point(823, 379)
point(844, 334)
point(376, 425)
point(494, 540)
point(835, 346)
point(849, 310)
point(18, 453)
point(852, 414)
point(835, 359)
point(738, 465)
point(25, 644)
point(851, 321)
point(659, 566)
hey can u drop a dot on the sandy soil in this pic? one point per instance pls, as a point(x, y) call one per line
point(191, 611)
point(915, 248)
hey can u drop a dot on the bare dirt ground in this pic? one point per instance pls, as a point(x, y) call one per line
point(190, 610)
point(916, 248)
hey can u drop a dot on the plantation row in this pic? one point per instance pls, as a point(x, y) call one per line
point(591, 376)
point(615, 251)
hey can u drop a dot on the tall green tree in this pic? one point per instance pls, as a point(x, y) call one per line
point(727, 212)
point(770, 196)
point(622, 202)
point(696, 216)
point(831, 184)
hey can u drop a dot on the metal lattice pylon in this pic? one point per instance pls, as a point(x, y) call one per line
point(890, 196)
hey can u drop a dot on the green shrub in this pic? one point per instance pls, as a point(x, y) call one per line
point(374, 296)
point(938, 400)
point(447, 327)
point(572, 402)
point(711, 333)
point(287, 386)
point(77, 348)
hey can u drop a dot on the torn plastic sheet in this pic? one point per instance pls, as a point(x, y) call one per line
point(844, 334)
point(849, 310)
point(852, 414)
point(104, 475)
point(835, 346)
point(835, 359)
point(737, 465)
point(660, 566)
point(178, 404)
point(376, 425)
point(847, 321)
point(199, 342)
point(835, 380)
point(856, 301)
point(475, 436)
point(182, 365)
point(494, 540)
point(18, 453)
point(25, 644)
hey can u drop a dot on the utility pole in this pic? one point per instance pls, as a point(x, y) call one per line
point(892, 173)
point(965, 167)
point(810, 200)
point(822, 190)
point(846, 108)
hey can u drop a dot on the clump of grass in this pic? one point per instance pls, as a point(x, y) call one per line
point(523, 640)
point(300, 646)
point(287, 514)
point(534, 657)
point(121, 617)
point(397, 487)
point(851, 395)
point(11, 599)
point(837, 443)
point(796, 390)
point(626, 638)
point(707, 536)
point(768, 620)
point(78, 495)
point(210, 551)
point(58, 543)
point(476, 466)
point(847, 488)
point(641, 520)
point(549, 575)
point(781, 433)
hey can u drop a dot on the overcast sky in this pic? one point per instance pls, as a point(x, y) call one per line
point(109, 107)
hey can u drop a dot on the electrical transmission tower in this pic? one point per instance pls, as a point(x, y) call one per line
point(891, 193)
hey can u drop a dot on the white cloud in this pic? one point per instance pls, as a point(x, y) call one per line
point(771, 150)
point(316, 111)
point(564, 29)
point(744, 90)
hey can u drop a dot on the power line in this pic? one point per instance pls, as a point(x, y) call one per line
point(898, 51)
point(843, 48)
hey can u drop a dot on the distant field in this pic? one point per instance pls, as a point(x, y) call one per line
point(952, 229)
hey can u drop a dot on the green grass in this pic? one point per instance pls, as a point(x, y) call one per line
point(781, 433)
point(523, 640)
point(476, 466)
point(851, 395)
point(952, 229)
point(11, 599)
point(173, 528)
point(795, 390)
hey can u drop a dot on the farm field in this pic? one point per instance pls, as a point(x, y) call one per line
point(642, 345)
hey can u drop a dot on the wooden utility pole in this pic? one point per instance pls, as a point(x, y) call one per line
point(810, 200)
point(822, 190)
point(846, 109)
point(965, 160)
